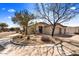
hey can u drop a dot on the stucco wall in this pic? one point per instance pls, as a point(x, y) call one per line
point(47, 29)
point(37, 28)
point(29, 30)
point(71, 30)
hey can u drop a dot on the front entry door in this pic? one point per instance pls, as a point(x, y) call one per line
point(40, 29)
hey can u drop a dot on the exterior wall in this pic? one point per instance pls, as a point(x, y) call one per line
point(77, 29)
point(29, 30)
point(59, 30)
point(48, 29)
point(56, 31)
point(63, 30)
point(69, 30)
point(72, 30)
point(37, 28)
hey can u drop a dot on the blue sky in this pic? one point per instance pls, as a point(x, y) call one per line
point(7, 11)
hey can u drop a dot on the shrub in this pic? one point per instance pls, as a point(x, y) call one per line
point(20, 40)
point(18, 36)
point(28, 37)
point(45, 39)
point(1, 48)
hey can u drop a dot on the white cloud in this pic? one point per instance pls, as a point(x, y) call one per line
point(9, 17)
point(3, 8)
point(11, 10)
point(73, 8)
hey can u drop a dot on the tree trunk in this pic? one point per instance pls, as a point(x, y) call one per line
point(25, 30)
point(53, 30)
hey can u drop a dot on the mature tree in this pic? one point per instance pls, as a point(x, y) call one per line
point(12, 29)
point(33, 26)
point(17, 29)
point(56, 12)
point(22, 18)
point(3, 25)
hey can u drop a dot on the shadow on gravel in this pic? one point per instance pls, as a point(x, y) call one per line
point(1, 48)
point(67, 36)
point(74, 55)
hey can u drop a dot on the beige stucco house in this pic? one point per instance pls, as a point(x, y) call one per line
point(45, 28)
point(72, 30)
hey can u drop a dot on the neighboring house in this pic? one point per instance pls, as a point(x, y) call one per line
point(45, 28)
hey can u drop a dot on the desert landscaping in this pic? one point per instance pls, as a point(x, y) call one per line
point(39, 30)
point(38, 45)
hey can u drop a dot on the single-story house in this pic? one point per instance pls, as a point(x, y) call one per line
point(45, 28)
point(71, 30)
